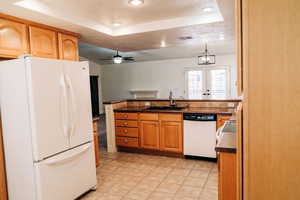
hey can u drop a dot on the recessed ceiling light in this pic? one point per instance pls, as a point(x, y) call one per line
point(207, 9)
point(116, 24)
point(136, 2)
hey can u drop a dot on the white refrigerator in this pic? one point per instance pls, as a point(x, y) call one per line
point(47, 128)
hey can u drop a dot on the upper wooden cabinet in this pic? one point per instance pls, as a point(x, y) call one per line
point(13, 39)
point(43, 42)
point(68, 47)
point(19, 36)
point(171, 136)
point(149, 133)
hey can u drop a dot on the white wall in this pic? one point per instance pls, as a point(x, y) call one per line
point(161, 75)
point(95, 70)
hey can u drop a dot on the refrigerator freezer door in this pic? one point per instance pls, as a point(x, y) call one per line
point(79, 101)
point(67, 175)
point(48, 113)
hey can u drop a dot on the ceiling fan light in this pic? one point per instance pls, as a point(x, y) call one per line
point(136, 2)
point(118, 59)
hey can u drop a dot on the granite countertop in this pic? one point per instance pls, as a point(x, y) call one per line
point(227, 139)
point(179, 100)
point(211, 110)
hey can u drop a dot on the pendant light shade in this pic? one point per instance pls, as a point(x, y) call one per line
point(206, 59)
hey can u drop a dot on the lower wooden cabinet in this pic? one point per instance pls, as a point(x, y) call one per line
point(171, 136)
point(149, 132)
point(96, 143)
point(227, 176)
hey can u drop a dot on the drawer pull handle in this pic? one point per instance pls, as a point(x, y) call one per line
point(125, 124)
point(125, 131)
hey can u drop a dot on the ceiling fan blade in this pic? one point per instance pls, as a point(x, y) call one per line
point(128, 58)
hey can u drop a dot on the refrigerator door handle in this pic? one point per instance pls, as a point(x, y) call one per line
point(73, 107)
point(56, 161)
point(63, 105)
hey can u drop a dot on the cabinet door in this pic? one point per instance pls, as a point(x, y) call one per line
point(149, 132)
point(68, 47)
point(13, 39)
point(43, 43)
point(171, 136)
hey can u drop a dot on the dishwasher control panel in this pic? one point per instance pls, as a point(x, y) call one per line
point(199, 117)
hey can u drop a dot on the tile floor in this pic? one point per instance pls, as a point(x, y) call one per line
point(127, 176)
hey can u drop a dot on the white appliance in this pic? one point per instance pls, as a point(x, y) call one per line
point(199, 135)
point(47, 128)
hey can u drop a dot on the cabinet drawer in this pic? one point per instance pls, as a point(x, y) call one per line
point(127, 142)
point(149, 116)
point(170, 117)
point(128, 132)
point(132, 116)
point(126, 123)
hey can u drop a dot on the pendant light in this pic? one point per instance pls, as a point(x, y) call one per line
point(206, 58)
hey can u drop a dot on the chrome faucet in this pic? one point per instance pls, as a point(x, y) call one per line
point(172, 101)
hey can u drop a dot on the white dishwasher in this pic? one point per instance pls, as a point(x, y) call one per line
point(199, 135)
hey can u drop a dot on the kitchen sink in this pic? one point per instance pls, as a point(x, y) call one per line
point(166, 108)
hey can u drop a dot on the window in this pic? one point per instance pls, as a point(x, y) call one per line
point(208, 83)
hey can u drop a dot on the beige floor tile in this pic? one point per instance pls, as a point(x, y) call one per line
point(189, 191)
point(160, 196)
point(127, 176)
point(180, 172)
point(174, 179)
point(197, 173)
point(168, 188)
point(179, 197)
point(194, 182)
point(138, 194)
point(105, 196)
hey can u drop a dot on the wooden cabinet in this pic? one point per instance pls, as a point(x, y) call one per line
point(221, 119)
point(227, 176)
point(13, 38)
point(19, 36)
point(149, 131)
point(96, 143)
point(3, 188)
point(171, 138)
point(126, 129)
point(43, 42)
point(126, 116)
point(68, 47)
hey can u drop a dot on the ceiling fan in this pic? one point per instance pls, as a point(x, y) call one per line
point(118, 59)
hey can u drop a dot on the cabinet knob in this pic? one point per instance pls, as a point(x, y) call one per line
point(125, 124)
point(125, 131)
